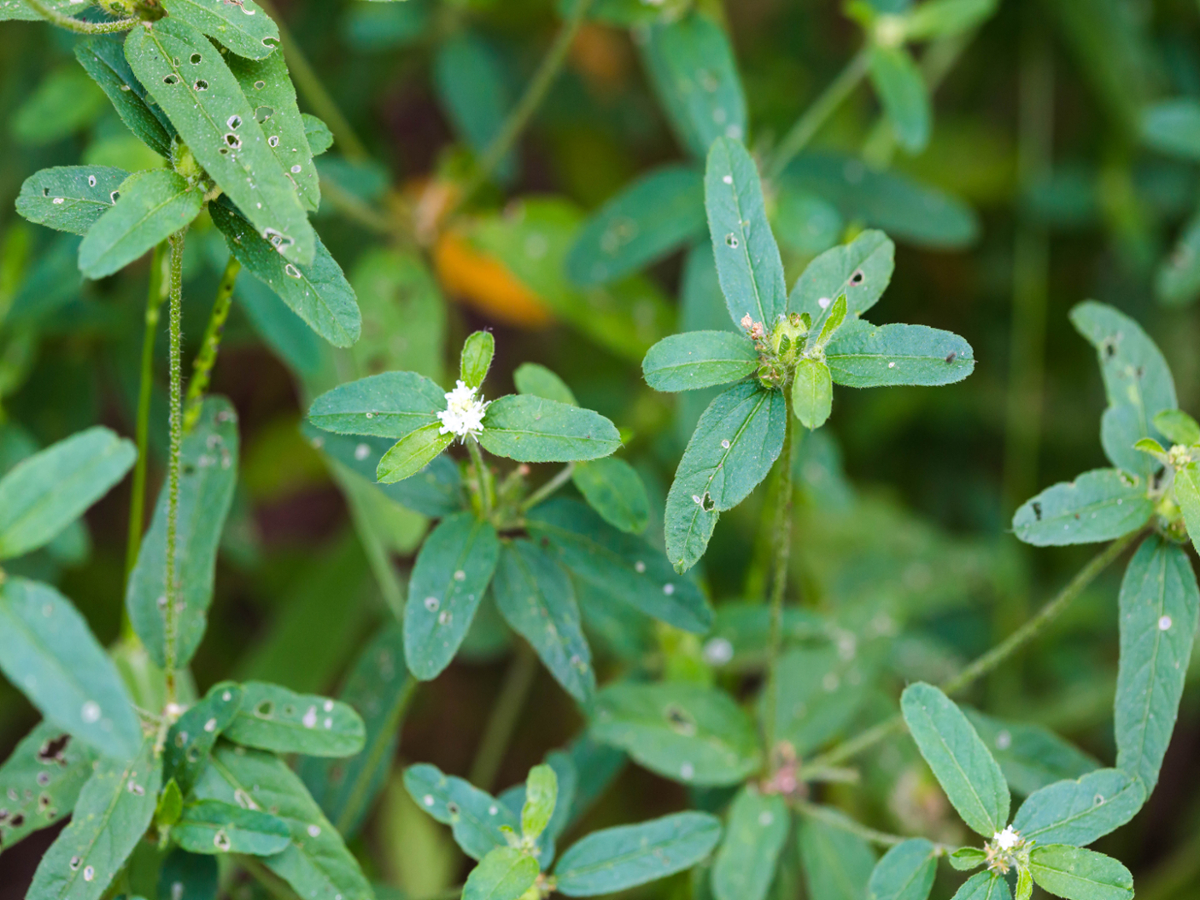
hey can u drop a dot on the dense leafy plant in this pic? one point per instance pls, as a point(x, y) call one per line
point(761, 710)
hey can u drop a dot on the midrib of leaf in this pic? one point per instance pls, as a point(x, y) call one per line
point(745, 243)
point(641, 850)
point(1160, 564)
point(1083, 813)
point(145, 218)
point(374, 753)
point(1083, 878)
point(547, 434)
point(1098, 506)
point(954, 759)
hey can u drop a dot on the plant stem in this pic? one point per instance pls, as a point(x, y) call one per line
point(78, 26)
point(783, 549)
point(176, 334)
point(534, 94)
point(563, 476)
point(155, 295)
point(503, 721)
point(838, 819)
point(483, 475)
point(207, 357)
point(821, 109)
point(990, 660)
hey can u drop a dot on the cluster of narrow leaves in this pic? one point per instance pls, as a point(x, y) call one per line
point(791, 350)
point(207, 89)
point(493, 538)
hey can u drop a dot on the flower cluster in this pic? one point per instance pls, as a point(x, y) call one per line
point(463, 414)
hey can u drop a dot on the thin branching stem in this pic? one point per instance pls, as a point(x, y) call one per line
point(988, 661)
point(783, 549)
point(206, 358)
point(502, 723)
point(78, 25)
point(561, 478)
point(838, 819)
point(170, 612)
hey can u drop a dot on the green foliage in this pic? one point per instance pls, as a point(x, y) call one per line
point(754, 836)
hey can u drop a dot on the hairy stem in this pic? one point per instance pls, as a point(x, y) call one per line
point(783, 549)
point(176, 334)
point(483, 475)
point(503, 721)
point(990, 660)
point(206, 358)
point(821, 109)
point(155, 296)
point(534, 94)
point(77, 25)
point(563, 476)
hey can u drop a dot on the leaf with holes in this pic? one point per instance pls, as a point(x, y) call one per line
point(686, 732)
point(859, 271)
point(40, 782)
point(103, 57)
point(653, 216)
point(194, 734)
point(699, 359)
point(241, 25)
point(389, 405)
point(187, 77)
point(1080, 812)
point(614, 489)
point(735, 443)
point(905, 872)
point(1159, 609)
point(271, 717)
point(450, 576)
point(748, 262)
point(535, 596)
point(475, 817)
point(211, 826)
point(114, 810)
point(48, 652)
point(1078, 874)
point(862, 355)
point(616, 859)
point(207, 480)
point(960, 761)
point(46, 492)
point(755, 831)
point(69, 198)
point(317, 863)
point(1097, 506)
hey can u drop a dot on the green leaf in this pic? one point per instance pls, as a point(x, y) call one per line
point(1177, 427)
point(172, 59)
point(40, 781)
point(211, 826)
point(905, 872)
point(151, 207)
point(859, 271)
point(103, 57)
point(1177, 278)
point(615, 859)
point(755, 831)
point(864, 355)
point(735, 443)
point(19, 10)
point(412, 453)
point(114, 810)
point(379, 688)
point(317, 864)
point(477, 353)
point(475, 817)
point(652, 217)
point(1159, 609)
point(1024, 884)
point(566, 778)
point(615, 490)
point(1080, 812)
point(942, 18)
point(837, 864)
point(69, 198)
point(451, 574)
point(1079, 874)
point(1030, 756)
point(46, 492)
point(1100, 505)
point(267, 84)
point(960, 761)
point(207, 481)
point(686, 732)
point(967, 858)
point(532, 378)
point(243, 27)
point(625, 568)
point(984, 886)
point(812, 393)
point(1187, 493)
point(504, 874)
point(48, 652)
point(473, 89)
point(901, 90)
point(1136, 380)
point(194, 734)
point(170, 805)
point(273, 718)
point(541, 795)
point(317, 133)
point(804, 222)
point(388, 405)
point(187, 876)
point(533, 429)
point(693, 72)
point(317, 292)
point(699, 359)
point(748, 263)
point(1173, 127)
point(535, 596)
point(820, 692)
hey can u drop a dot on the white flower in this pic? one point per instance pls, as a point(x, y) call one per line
point(1006, 839)
point(463, 414)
